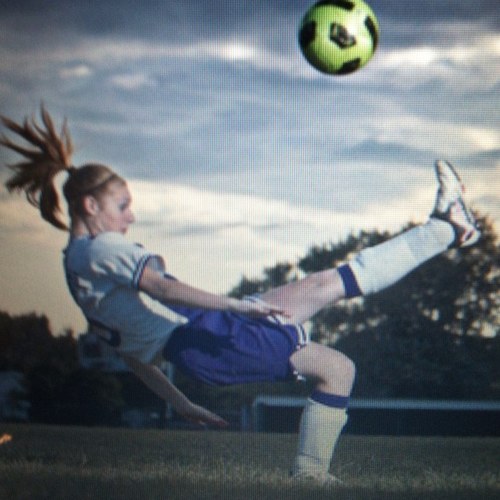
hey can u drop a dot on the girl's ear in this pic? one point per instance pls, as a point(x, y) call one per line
point(90, 205)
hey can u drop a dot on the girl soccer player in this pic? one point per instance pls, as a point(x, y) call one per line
point(215, 339)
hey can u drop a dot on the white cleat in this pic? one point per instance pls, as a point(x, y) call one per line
point(319, 479)
point(450, 206)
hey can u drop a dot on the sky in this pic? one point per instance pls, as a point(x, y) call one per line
point(239, 154)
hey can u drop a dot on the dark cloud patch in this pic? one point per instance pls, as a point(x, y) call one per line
point(442, 10)
point(376, 151)
point(483, 159)
point(194, 20)
point(171, 20)
point(203, 229)
point(222, 115)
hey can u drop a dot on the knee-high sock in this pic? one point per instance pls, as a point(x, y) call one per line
point(378, 267)
point(320, 428)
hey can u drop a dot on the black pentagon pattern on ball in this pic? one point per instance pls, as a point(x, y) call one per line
point(307, 34)
point(343, 4)
point(341, 36)
point(349, 67)
point(372, 29)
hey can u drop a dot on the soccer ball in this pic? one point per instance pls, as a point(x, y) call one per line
point(339, 36)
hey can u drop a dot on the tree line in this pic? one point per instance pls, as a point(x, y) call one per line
point(432, 335)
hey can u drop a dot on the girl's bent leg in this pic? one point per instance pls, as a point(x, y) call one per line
point(333, 371)
point(325, 413)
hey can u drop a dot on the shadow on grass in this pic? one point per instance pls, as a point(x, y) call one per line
point(43, 486)
point(77, 463)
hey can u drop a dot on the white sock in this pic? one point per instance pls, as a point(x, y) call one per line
point(320, 428)
point(378, 267)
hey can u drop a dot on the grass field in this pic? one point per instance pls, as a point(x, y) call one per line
point(81, 463)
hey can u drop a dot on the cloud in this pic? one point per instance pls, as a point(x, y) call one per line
point(75, 71)
point(438, 49)
point(131, 81)
point(463, 66)
point(211, 238)
point(461, 52)
point(444, 10)
point(248, 231)
point(416, 134)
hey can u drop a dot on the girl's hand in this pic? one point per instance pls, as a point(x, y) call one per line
point(200, 416)
point(256, 309)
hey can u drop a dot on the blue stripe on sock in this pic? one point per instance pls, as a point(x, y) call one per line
point(331, 400)
point(351, 286)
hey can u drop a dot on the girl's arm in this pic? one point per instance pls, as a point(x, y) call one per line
point(156, 380)
point(170, 291)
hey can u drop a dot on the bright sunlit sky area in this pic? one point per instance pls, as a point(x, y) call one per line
point(238, 153)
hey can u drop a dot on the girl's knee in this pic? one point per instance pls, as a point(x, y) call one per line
point(331, 368)
point(350, 368)
point(343, 366)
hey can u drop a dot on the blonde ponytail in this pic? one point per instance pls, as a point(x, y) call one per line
point(47, 154)
point(50, 153)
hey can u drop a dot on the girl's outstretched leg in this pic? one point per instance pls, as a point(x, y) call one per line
point(373, 269)
point(304, 298)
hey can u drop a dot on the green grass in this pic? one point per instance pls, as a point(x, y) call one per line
point(79, 463)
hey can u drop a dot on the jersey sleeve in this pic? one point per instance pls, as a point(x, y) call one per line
point(120, 260)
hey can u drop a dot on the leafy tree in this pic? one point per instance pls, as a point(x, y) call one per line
point(59, 391)
point(273, 276)
point(26, 342)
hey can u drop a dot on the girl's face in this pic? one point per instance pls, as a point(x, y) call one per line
point(113, 212)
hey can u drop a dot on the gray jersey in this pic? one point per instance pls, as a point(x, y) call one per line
point(103, 275)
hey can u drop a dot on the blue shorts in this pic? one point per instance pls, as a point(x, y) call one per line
point(223, 348)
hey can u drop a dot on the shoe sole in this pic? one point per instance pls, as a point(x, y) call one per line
point(469, 233)
point(453, 171)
